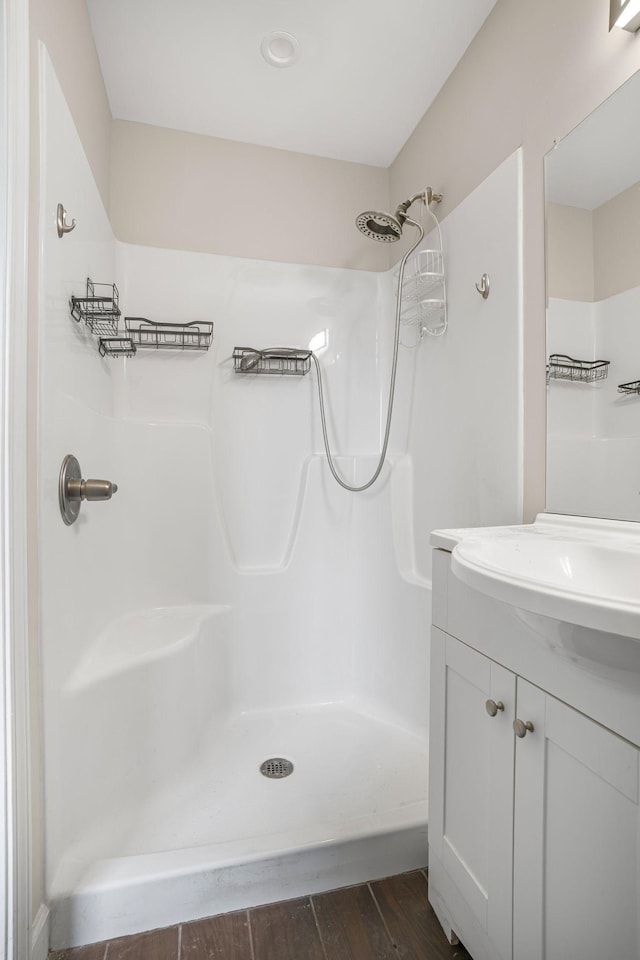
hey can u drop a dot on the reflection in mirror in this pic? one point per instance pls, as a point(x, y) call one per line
point(592, 180)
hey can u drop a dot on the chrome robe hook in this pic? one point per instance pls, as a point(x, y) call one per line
point(61, 221)
point(484, 287)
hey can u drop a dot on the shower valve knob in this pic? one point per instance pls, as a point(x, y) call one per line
point(72, 489)
point(90, 489)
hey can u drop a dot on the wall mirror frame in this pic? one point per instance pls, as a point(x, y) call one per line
point(592, 217)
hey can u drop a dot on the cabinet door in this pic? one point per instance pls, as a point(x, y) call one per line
point(576, 836)
point(471, 783)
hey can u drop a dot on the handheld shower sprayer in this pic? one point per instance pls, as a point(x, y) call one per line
point(386, 228)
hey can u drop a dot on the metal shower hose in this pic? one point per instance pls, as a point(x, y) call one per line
point(392, 386)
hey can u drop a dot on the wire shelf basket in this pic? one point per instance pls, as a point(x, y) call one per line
point(423, 274)
point(286, 361)
point(116, 347)
point(429, 314)
point(99, 308)
point(561, 367)
point(629, 388)
point(150, 335)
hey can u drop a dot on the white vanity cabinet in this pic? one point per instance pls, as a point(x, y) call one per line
point(534, 841)
point(471, 789)
point(576, 833)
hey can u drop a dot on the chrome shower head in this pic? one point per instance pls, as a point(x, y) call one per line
point(379, 226)
point(387, 227)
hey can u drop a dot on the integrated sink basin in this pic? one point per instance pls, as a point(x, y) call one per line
point(574, 569)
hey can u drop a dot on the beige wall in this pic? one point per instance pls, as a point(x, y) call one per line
point(594, 254)
point(533, 72)
point(569, 252)
point(191, 192)
point(64, 28)
point(616, 239)
point(186, 191)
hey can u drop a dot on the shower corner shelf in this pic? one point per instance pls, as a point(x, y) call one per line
point(633, 387)
point(99, 308)
point(286, 361)
point(562, 367)
point(151, 335)
point(116, 347)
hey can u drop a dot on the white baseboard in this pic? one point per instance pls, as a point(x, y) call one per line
point(40, 934)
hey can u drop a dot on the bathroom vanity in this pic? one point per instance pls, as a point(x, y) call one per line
point(534, 826)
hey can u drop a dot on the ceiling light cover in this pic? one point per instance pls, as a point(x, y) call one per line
point(280, 49)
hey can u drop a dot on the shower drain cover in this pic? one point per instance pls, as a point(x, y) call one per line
point(276, 768)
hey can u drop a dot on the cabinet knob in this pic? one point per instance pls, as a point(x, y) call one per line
point(521, 727)
point(492, 707)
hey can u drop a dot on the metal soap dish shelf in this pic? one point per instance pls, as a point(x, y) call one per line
point(286, 361)
point(99, 308)
point(629, 388)
point(150, 335)
point(116, 347)
point(561, 367)
point(142, 334)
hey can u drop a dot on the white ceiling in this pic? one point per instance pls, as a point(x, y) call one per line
point(601, 157)
point(368, 69)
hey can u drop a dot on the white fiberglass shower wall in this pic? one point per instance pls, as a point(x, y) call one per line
point(232, 603)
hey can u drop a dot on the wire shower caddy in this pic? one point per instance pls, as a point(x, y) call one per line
point(99, 308)
point(631, 388)
point(152, 335)
point(562, 367)
point(285, 361)
point(424, 290)
point(100, 311)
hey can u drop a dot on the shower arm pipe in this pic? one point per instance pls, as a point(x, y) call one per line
point(392, 385)
point(427, 196)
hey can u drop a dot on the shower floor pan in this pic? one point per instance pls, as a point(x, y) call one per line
point(222, 837)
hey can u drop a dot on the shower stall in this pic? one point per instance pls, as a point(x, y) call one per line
point(232, 604)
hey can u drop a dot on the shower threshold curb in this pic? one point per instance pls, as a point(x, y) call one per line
point(133, 894)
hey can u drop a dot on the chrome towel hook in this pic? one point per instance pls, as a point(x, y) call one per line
point(484, 287)
point(61, 224)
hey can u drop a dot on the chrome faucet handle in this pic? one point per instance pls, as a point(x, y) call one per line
point(90, 489)
point(72, 489)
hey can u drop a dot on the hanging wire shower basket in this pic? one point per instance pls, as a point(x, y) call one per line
point(424, 291)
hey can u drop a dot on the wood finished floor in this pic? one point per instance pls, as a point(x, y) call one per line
point(384, 920)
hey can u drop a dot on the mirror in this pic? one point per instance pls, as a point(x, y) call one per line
point(592, 189)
